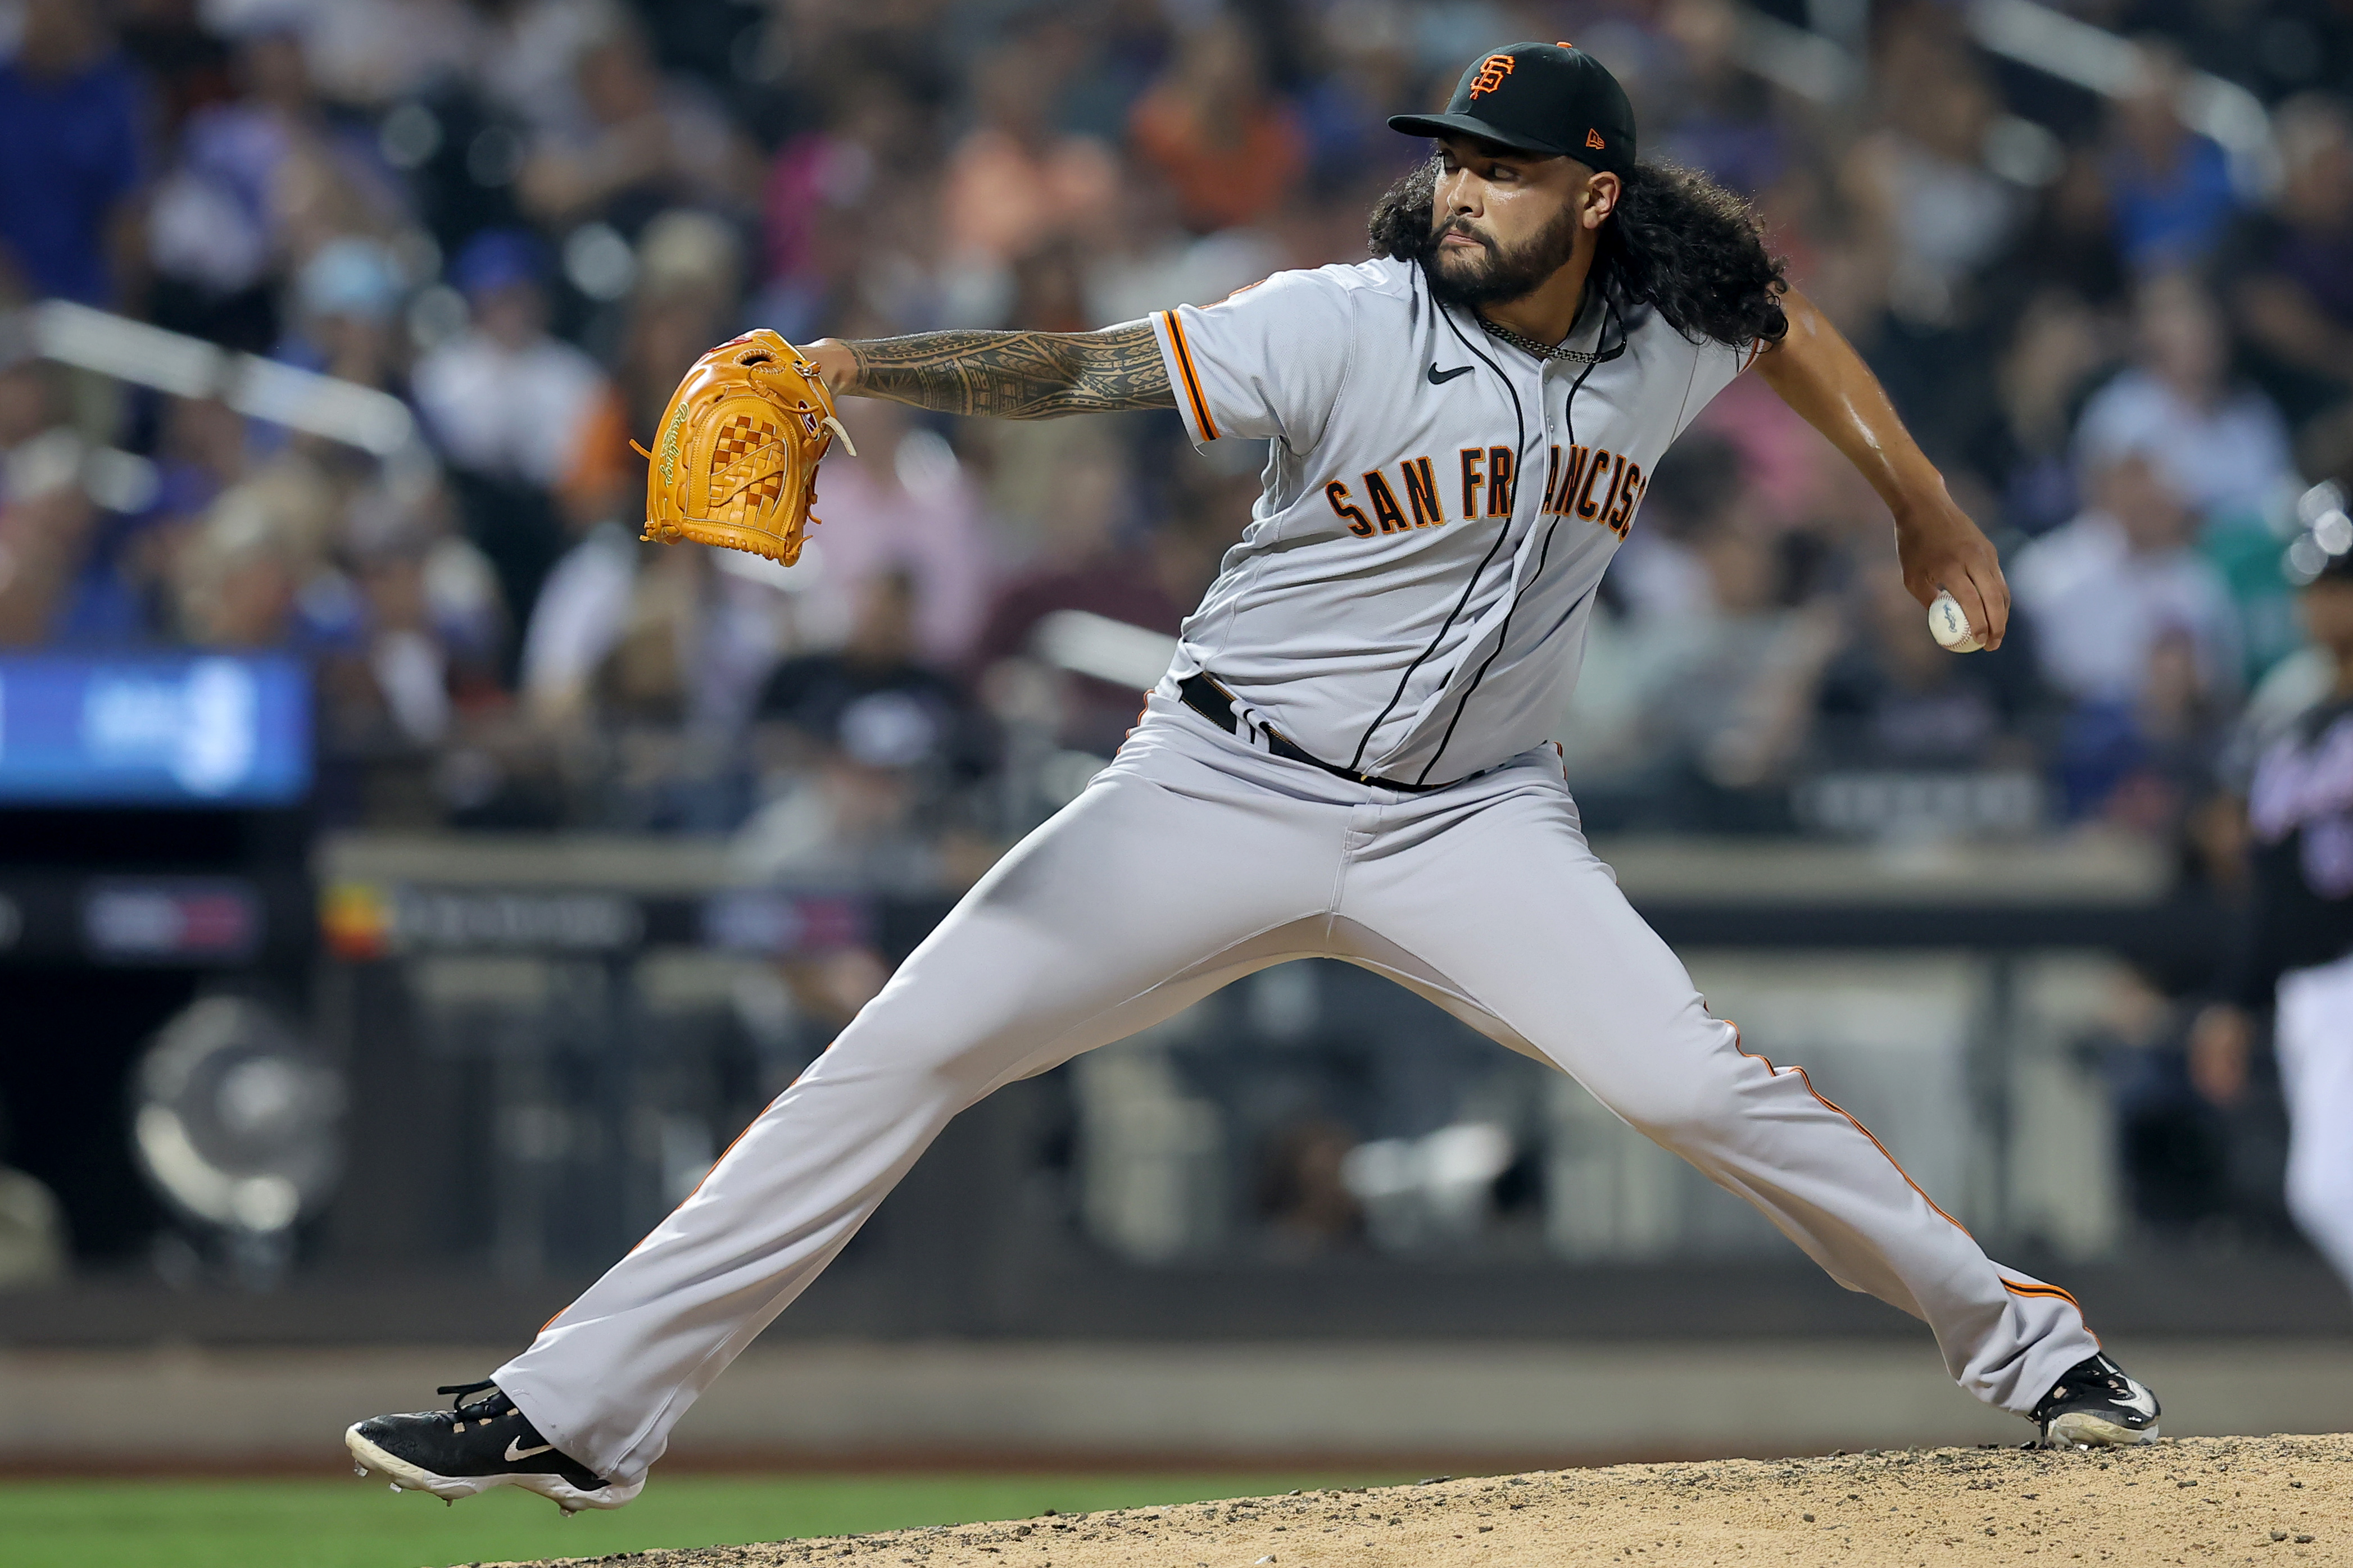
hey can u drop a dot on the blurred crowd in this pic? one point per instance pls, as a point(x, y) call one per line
point(2128, 345)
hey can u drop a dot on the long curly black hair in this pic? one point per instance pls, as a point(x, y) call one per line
point(1677, 243)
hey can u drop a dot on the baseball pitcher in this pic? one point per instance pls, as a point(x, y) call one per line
point(1347, 758)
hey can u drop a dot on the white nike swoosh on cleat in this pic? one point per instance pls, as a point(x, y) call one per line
point(2142, 1400)
point(514, 1453)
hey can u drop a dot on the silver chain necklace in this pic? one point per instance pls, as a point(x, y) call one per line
point(1528, 345)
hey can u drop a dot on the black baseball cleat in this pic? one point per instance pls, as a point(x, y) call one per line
point(2096, 1406)
point(471, 1447)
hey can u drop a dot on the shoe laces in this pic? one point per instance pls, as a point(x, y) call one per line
point(489, 1407)
point(2093, 1374)
point(2107, 1376)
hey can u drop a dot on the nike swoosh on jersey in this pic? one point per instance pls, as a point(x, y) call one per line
point(515, 1452)
point(1440, 378)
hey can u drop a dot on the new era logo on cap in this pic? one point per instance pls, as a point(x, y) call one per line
point(1593, 140)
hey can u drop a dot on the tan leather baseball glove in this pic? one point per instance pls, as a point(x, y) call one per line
point(734, 461)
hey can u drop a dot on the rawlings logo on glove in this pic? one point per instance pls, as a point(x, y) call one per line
point(740, 440)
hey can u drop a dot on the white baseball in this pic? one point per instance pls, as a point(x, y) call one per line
point(1950, 624)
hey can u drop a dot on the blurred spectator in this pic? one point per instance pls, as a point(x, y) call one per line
point(1658, 575)
point(2291, 269)
point(1892, 699)
point(186, 63)
point(203, 450)
point(69, 118)
point(242, 573)
point(46, 516)
point(346, 301)
point(1151, 263)
point(668, 643)
point(2103, 591)
point(817, 202)
point(260, 183)
point(2170, 187)
point(666, 661)
point(1014, 184)
point(1050, 292)
point(1115, 48)
point(2147, 761)
point(640, 144)
point(689, 274)
point(1925, 172)
point(906, 504)
point(369, 55)
point(2068, 242)
point(1368, 73)
point(1700, 705)
point(875, 681)
point(2182, 1156)
point(2223, 446)
point(864, 741)
point(1215, 130)
point(641, 664)
point(653, 636)
point(2056, 352)
point(430, 624)
point(1301, 1198)
point(513, 407)
point(527, 57)
point(1718, 115)
point(1092, 556)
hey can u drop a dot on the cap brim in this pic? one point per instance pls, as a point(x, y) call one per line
point(1469, 125)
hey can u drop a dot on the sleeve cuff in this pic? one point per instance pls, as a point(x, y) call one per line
point(1184, 378)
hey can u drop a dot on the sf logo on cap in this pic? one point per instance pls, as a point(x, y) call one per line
point(1492, 72)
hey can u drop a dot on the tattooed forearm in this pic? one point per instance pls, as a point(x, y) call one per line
point(1017, 375)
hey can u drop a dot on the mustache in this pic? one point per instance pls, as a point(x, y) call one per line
point(1461, 226)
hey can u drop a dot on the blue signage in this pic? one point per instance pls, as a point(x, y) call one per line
point(184, 729)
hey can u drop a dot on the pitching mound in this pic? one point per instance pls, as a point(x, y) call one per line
point(2275, 1501)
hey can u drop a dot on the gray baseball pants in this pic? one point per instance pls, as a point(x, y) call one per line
point(2312, 1035)
point(1195, 859)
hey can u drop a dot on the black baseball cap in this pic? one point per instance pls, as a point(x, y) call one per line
point(1539, 98)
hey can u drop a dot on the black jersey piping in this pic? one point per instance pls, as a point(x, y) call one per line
point(1544, 551)
point(1520, 421)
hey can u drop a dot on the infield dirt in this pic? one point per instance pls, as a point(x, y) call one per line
point(2269, 1500)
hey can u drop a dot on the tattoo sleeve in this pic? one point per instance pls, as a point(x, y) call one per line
point(1018, 375)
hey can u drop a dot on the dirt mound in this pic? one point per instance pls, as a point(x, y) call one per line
point(2273, 1501)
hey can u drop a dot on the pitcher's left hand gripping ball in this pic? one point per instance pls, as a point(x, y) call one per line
point(734, 461)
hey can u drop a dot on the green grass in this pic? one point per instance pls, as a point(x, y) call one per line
point(358, 1524)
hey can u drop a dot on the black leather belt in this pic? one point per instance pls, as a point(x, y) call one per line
point(1215, 703)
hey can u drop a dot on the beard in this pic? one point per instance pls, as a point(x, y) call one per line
point(1496, 275)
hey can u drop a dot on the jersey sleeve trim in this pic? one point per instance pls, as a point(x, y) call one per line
point(1193, 405)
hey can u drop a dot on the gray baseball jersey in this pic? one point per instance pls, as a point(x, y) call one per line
point(1407, 601)
point(1412, 595)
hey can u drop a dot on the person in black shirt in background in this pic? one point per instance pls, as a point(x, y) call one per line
point(875, 694)
point(2297, 953)
point(868, 758)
